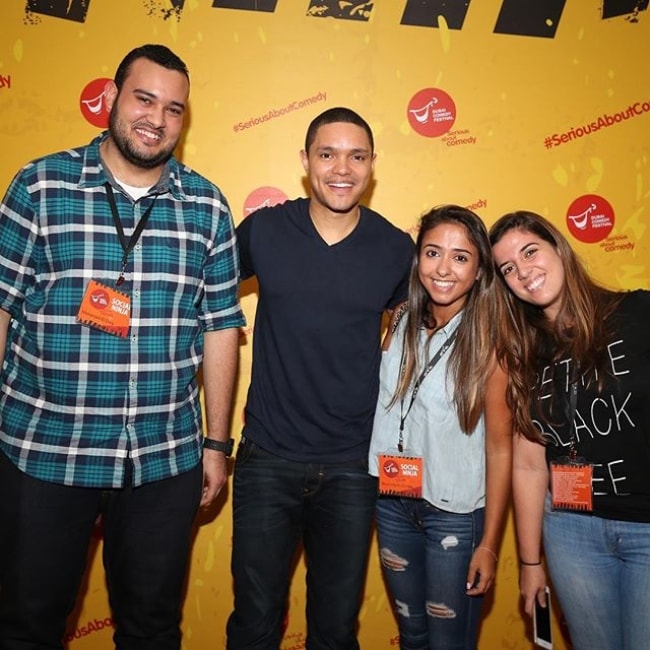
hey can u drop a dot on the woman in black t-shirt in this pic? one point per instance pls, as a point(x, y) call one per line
point(578, 356)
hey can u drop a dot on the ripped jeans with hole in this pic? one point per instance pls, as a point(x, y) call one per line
point(425, 555)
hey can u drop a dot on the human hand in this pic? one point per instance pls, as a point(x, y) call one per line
point(215, 475)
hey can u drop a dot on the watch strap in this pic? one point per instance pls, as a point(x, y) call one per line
point(226, 446)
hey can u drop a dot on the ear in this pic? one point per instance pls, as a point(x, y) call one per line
point(304, 159)
point(110, 94)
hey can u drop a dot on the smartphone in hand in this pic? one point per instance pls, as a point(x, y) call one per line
point(542, 623)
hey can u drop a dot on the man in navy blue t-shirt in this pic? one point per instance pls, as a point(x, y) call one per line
point(328, 268)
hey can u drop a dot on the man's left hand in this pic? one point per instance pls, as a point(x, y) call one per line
point(215, 475)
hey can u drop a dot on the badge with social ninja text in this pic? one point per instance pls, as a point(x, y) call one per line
point(105, 309)
point(400, 476)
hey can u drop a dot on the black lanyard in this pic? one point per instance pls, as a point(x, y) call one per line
point(127, 247)
point(416, 387)
point(570, 406)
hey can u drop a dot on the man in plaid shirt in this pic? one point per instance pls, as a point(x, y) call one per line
point(118, 277)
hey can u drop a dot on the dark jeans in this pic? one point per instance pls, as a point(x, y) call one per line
point(44, 540)
point(276, 503)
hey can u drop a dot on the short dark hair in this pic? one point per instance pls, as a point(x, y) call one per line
point(159, 54)
point(337, 114)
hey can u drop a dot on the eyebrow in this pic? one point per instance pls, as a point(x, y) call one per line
point(147, 93)
point(521, 250)
point(329, 147)
point(455, 250)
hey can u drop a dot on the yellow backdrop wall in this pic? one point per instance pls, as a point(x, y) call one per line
point(497, 104)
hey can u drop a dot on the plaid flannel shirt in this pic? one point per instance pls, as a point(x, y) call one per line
point(77, 404)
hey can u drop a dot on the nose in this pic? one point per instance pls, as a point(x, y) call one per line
point(444, 268)
point(341, 165)
point(523, 271)
point(156, 115)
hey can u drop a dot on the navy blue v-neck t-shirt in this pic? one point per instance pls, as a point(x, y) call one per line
point(316, 341)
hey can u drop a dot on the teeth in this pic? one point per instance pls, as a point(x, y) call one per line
point(443, 283)
point(535, 284)
point(148, 134)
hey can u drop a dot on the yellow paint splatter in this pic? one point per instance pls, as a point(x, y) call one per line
point(635, 225)
point(560, 176)
point(630, 276)
point(594, 180)
point(18, 50)
point(208, 565)
point(173, 29)
point(445, 36)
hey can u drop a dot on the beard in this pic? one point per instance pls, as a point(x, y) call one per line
point(120, 136)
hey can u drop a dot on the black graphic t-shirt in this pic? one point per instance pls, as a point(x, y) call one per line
point(612, 427)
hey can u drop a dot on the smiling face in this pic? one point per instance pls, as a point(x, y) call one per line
point(448, 266)
point(532, 269)
point(339, 165)
point(146, 115)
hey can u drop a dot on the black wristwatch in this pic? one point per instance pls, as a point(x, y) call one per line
point(218, 445)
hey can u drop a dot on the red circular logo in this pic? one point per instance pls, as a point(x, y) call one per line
point(390, 468)
point(263, 197)
point(590, 218)
point(99, 299)
point(93, 104)
point(431, 112)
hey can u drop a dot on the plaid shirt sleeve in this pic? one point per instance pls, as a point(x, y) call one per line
point(19, 244)
point(220, 306)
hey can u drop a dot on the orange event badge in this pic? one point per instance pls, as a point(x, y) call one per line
point(105, 309)
point(571, 486)
point(400, 476)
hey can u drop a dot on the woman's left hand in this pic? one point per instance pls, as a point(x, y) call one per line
point(482, 570)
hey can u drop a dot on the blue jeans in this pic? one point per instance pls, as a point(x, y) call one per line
point(45, 532)
point(600, 570)
point(425, 555)
point(276, 503)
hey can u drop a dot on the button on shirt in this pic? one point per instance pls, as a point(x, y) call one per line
point(76, 403)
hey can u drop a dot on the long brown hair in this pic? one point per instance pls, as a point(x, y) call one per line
point(473, 350)
point(581, 330)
